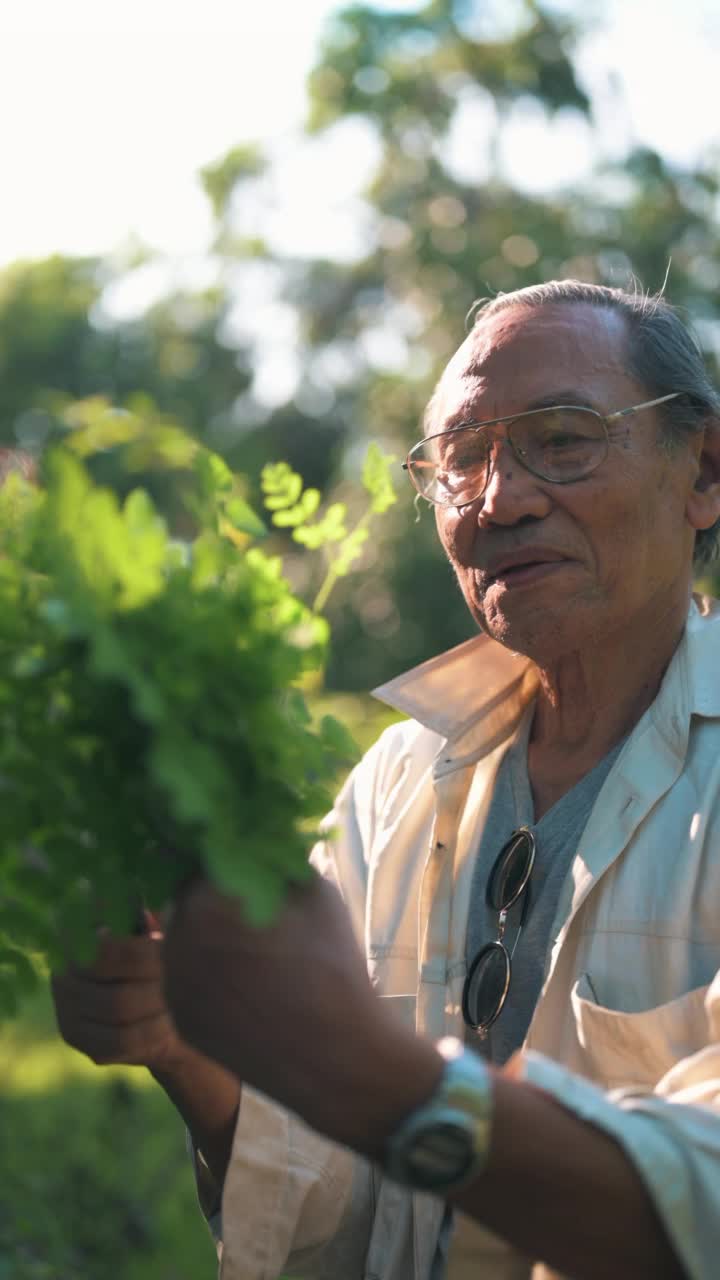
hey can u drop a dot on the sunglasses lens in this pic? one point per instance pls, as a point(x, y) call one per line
point(486, 986)
point(512, 871)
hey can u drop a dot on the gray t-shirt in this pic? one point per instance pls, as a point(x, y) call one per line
point(557, 835)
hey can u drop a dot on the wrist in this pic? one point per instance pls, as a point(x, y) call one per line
point(384, 1084)
point(183, 1064)
point(176, 1061)
point(444, 1143)
point(207, 1098)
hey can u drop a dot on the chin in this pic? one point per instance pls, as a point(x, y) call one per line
point(542, 633)
point(542, 618)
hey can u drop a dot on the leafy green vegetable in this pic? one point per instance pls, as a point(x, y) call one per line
point(293, 506)
point(151, 715)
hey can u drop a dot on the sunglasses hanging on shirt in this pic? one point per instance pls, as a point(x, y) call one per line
point(488, 979)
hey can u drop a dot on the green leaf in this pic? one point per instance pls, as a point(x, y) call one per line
point(377, 478)
point(242, 517)
point(215, 476)
point(303, 509)
point(350, 550)
point(281, 486)
point(337, 738)
point(331, 528)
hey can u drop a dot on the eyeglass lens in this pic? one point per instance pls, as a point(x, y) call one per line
point(488, 980)
point(559, 444)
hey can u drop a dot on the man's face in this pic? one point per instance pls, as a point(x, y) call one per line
point(605, 557)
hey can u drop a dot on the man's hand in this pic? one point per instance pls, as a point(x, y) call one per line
point(115, 1010)
point(289, 1009)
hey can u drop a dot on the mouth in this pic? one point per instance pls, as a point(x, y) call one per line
point(524, 572)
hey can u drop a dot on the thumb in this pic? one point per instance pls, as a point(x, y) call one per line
point(149, 924)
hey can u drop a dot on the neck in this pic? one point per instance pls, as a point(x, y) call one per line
point(589, 700)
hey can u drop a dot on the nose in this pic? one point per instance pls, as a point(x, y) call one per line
point(512, 493)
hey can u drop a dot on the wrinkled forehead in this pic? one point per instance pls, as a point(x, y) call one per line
point(522, 354)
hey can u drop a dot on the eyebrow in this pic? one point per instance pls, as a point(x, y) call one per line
point(570, 395)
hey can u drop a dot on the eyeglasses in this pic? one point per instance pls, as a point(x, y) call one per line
point(560, 444)
point(488, 979)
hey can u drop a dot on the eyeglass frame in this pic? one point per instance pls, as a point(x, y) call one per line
point(605, 419)
point(482, 1027)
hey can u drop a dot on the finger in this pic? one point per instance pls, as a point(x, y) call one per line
point(136, 1045)
point(148, 923)
point(152, 926)
point(81, 999)
point(124, 959)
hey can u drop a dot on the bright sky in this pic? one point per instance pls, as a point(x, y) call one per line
point(108, 110)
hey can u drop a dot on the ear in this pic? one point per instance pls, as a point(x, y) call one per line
point(703, 502)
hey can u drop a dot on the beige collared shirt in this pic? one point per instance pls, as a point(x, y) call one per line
point(627, 1028)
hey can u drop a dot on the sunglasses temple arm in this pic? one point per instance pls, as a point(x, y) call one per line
point(523, 918)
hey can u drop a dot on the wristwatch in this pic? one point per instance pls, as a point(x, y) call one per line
point(444, 1143)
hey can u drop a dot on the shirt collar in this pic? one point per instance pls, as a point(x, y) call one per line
point(473, 681)
point(455, 689)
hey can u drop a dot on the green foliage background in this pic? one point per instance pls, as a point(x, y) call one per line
point(96, 1181)
point(434, 241)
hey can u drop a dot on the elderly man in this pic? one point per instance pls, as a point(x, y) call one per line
point(531, 866)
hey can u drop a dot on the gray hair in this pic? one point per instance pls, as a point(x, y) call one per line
point(662, 354)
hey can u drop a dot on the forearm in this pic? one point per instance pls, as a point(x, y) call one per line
point(564, 1192)
point(208, 1098)
point(557, 1188)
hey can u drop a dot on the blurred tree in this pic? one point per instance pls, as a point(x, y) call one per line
point(305, 357)
point(55, 345)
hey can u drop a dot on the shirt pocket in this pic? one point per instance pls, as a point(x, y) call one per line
point(628, 1050)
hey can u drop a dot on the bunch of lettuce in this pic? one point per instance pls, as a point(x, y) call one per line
point(152, 724)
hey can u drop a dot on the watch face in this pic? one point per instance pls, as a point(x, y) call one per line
point(440, 1156)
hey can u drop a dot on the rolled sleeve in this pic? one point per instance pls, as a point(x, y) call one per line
point(294, 1204)
point(673, 1142)
point(209, 1193)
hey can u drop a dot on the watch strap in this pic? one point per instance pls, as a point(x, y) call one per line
point(444, 1143)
